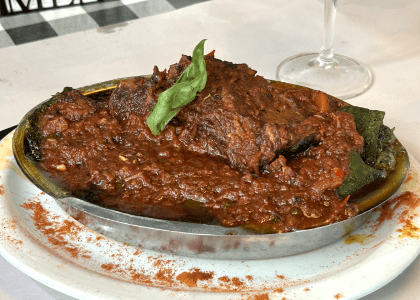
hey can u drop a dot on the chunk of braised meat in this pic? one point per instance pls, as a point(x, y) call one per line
point(72, 106)
point(78, 127)
point(239, 117)
point(246, 120)
point(138, 95)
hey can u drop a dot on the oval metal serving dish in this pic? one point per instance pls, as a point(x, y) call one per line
point(200, 240)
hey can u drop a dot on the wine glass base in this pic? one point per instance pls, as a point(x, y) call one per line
point(343, 78)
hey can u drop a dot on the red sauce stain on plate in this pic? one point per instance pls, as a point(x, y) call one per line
point(190, 278)
point(59, 234)
point(409, 178)
point(407, 201)
point(65, 236)
point(10, 224)
point(409, 230)
point(263, 296)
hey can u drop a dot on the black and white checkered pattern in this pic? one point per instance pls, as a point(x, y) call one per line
point(34, 26)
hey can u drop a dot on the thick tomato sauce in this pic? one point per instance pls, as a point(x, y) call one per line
point(105, 153)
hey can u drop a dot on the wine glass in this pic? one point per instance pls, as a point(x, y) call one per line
point(337, 75)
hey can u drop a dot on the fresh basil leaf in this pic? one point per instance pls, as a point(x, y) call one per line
point(189, 83)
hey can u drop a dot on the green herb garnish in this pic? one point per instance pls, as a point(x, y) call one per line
point(379, 155)
point(368, 125)
point(361, 175)
point(170, 102)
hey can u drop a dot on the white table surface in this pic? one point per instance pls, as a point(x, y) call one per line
point(385, 35)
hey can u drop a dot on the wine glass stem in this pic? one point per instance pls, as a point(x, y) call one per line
point(326, 52)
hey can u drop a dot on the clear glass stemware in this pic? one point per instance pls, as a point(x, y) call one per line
point(337, 75)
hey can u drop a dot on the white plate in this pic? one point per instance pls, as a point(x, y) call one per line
point(70, 258)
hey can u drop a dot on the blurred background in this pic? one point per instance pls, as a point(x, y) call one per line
point(24, 21)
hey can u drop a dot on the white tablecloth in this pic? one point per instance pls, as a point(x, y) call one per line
point(385, 35)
